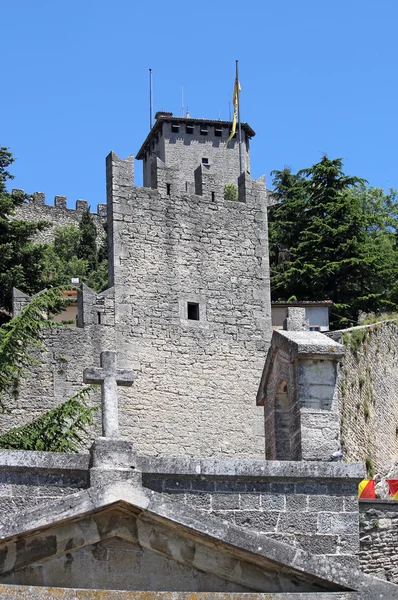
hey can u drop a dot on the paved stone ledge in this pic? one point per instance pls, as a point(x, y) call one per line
point(23, 460)
point(11, 592)
point(253, 469)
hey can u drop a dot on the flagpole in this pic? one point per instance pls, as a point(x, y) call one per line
point(239, 126)
point(150, 98)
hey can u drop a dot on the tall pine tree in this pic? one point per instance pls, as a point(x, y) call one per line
point(88, 241)
point(21, 259)
point(331, 240)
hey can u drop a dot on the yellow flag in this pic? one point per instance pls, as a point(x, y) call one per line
point(235, 101)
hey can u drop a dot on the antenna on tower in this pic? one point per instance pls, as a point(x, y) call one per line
point(150, 98)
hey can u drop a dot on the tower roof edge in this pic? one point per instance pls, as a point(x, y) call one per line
point(166, 117)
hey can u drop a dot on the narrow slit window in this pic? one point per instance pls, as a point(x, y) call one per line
point(175, 127)
point(168, 188)
point(99, 318)
point(213, 196)
point(193, 311)
point(189, 129)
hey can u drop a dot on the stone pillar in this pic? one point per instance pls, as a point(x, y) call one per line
point(119, 183)
point(19, 300)
point(112, 460)
point(208, 184)
point(299, 395)
point(296, 320)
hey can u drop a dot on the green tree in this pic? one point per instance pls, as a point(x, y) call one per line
point(88, 241)
point(63, 428)
point(331, 237)
point(69, 256)
point(21, 259)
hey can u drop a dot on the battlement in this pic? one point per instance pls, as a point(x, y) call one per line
point(184, 143)
point(39, 199)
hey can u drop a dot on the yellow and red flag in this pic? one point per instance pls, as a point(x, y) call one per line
point(366, 489)
point(393, 488)
point(235, 102)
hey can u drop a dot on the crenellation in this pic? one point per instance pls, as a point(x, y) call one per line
point(82, 206)
point(60, 202)
point(38, 198)
point(187, 319)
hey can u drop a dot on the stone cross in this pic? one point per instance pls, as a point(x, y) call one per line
point(109, 377)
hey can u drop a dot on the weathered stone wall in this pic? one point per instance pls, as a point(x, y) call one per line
point(115, 564)
point(196, 379)
point(58, 215)
point(14, 592)
point(312, 506)
point(29, 479)
point(378, 526)
point(368, 394)
point(186, 150)
point(67, 351)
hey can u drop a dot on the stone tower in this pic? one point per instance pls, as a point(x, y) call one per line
point(188, 303)
point(182, 144)
point(191, 280)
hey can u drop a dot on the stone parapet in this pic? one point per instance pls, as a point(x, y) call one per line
point(312, 506)
point(15, 592)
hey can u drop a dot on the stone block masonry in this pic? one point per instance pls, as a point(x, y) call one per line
point(309, 506)
point(368, 400)
point(378, 526)
point(195, 389)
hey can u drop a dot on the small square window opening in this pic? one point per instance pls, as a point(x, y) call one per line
point(193, 311)
point(189, 129)
point(175, 127)
point(218, 131)
point(203, 130)
point(205, 161)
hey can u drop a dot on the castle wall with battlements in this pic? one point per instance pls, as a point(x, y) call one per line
point(57, 215)
point(196, 381)
point(196, 372)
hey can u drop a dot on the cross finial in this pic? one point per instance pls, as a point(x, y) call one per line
point(109, 377)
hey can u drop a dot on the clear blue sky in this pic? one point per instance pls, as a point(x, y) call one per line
point(317, 77)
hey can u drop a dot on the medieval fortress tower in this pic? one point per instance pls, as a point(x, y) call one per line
point(188, 303)
point(221, 482)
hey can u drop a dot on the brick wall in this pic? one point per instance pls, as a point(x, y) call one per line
point(29, 479)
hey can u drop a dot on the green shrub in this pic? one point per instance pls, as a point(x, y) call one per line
point(370, 468)
point(230, 192)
